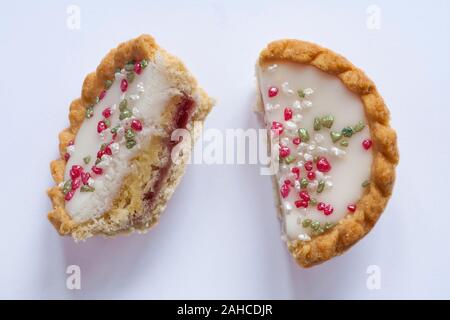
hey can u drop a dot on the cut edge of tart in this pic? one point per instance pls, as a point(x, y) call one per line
point(115, 173)
point(297, 190)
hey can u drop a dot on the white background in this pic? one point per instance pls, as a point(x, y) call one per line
point(219, 237)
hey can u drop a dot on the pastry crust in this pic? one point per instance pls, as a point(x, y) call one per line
point(385, 152)
point(127, 214)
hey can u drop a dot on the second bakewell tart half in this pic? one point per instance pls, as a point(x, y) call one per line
point(335, 151)
point(116, 173)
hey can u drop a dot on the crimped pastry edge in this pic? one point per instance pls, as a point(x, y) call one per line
point(139, 48)
point(370, 206)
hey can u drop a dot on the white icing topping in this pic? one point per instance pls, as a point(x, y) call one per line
point(320, 95)
point(147, 96)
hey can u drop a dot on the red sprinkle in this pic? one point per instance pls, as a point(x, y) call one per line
point(100, 153)
point(76, 184)
point(107, 112)
point(284, 151)
point(301, 204)
point(328, 210)
point(75, 171)
point(68, 195)
point(367, 143)
point(85, 177)
point(309, 165)
point(136, 125)
point(71, 143)
point(102, 95)
point(296, 171)
point(138, 68)
point(97, 170)
point(287, 113)
point(288, 182)
point(277, 127)
point(296, 141)
point(321, 206)
point(108, 151)
point(351, 208)
point(323, 165)
point(304, 195)
point(273, 91)
point(311, 175)
point(124, 85)
point(66, 156)
point(284, 190)
point(101, 126)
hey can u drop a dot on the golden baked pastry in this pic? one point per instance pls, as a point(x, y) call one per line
point(334, 150)
point(116, 171)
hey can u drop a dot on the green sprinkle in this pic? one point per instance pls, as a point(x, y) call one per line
point(317, 124)
point(365, 184)
point(347, 132)
point(123, 105)
point(97, 161)
point(328, 225)
point(97, 99)
point(107, 122)
point(289, 159)
point(303, 134)
point(129, 134)
point(125, 114)
point(103, 146)
point(130, 77)
point(89, 112)
point(344, 143)
point(108, 84)
point(313, 202)
point(335, 136)
point(132, 62)
point(303, 183)
point(67, 186)
point(144, 63)
point(306, 223)
point(114, 130)
point(301, 93)
point(131, 143)
point(86, 188)
point(319, 230)
point(87, 159)
point(117, 70)
point(315, 159)
point(327, 121)
point(315, 225)
point(321, 186)
point(359, 126)
point(129, 67)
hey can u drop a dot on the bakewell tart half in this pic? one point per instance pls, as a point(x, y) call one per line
point(334, 150)
point(116, 171)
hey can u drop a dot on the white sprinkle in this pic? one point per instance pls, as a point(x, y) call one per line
point(136, 111)
point(119, 76)
point(297, 118)
point(319, 175)
point(297, 105)
point(284, 168)
point(338, 152)
point(140, 87)
point(322, 150)
point(106, 160)
point(114, 147)
point(307, 104)
point(290, 125)
point(91, 182)
point(297, 185)
point(313, 185)
point(284, 141)
point(61, 184)
point(311, 147)
point(272, 67)
point(329, 184)
point(287, 206)
point(308, 157)
point(304, 237)
point(286, 89)
point(318, 138)
point(70, 149)
point(134, 97)
point(308, 91)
